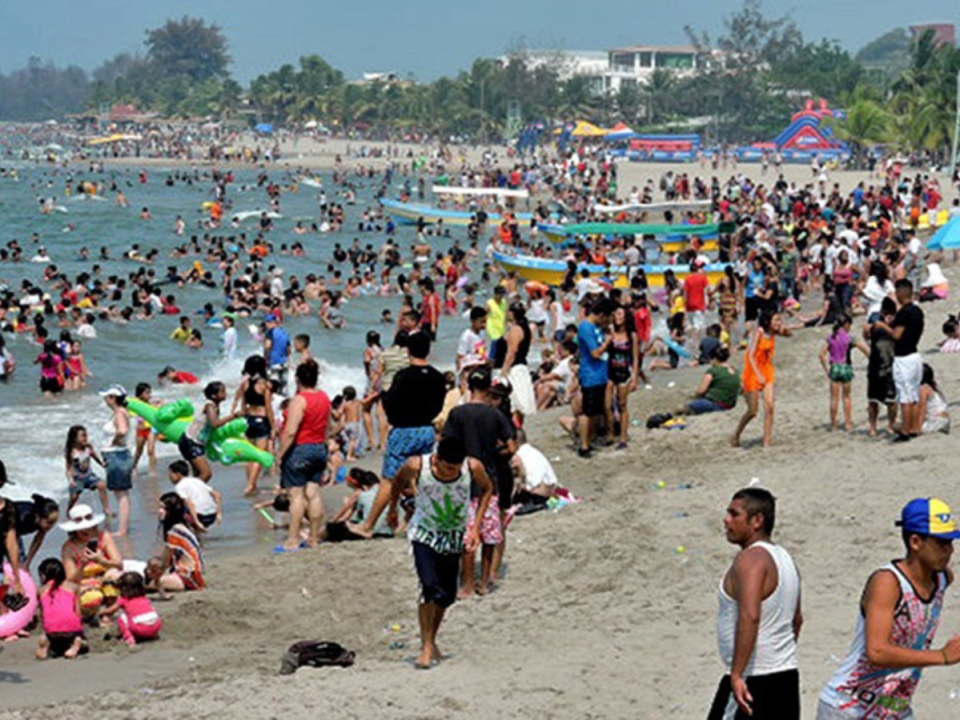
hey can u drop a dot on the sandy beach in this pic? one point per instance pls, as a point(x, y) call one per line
point(601, 614)
point(608, 607)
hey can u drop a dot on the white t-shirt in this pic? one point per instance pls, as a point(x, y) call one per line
point(472, 348)
point(86, 331)
point(564, 372)
point(199, 493)
point(537, 468)
point(230, 342)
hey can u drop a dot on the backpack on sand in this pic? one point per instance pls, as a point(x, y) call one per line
point(315, 653)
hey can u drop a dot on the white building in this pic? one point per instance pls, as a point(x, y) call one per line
point(612, 69)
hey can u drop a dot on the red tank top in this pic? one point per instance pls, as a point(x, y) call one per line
point(316, 417)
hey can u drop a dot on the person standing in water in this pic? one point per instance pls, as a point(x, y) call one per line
point(899, 613)
point(759, 619)
point(116, 454)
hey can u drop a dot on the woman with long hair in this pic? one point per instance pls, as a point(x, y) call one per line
point(255, 398)
point(117, 456)
point(513, 362)
point(182, 565)
point(759, 375)
point(373, 366)
point(624, 355)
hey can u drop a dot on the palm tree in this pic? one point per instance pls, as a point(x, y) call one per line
point(659, 94)
point(866, 123)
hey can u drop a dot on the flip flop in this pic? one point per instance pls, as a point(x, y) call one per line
point(283, 550)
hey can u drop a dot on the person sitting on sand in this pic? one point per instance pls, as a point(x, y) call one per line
point(356, 508)
point(537, 481)
point(933, 405)
point(63, 634)
point(951, 329)
point(182, 565)
point(719, 387)
point(90, 556)
point(136, 617)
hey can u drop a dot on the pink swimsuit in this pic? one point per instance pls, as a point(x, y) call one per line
point(60, 612)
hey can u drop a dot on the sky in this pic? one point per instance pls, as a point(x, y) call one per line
point(424, 37)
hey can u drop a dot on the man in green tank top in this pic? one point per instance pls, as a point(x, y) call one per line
point(437, 531)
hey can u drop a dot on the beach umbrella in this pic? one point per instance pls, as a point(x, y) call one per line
point(947, 237)
point(264, 128)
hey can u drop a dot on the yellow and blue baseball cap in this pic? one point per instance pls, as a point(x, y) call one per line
point(931, 517)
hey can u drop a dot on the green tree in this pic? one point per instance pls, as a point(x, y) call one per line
point(867, 123)
point(188, 47)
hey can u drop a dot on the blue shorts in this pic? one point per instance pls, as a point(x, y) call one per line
point(119, 469)
point(700, 406)
point(303, 464)
point(84, 482)
point(405, 443)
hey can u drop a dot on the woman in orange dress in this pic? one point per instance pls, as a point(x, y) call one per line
point(759, 375)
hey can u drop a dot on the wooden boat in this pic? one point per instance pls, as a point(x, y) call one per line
point(411, 214)
point(552, 272)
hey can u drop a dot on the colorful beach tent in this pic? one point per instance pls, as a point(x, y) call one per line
point(582, 129)
point(947, 237)
point(620, 131)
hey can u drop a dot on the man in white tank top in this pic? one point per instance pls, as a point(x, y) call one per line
point(759, 618)
point(899, 614)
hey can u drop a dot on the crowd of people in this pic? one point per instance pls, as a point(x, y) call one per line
point(457, 465)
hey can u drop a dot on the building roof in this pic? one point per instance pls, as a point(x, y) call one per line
point(691, 49)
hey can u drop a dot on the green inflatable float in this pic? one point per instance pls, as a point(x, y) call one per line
point(225, 444)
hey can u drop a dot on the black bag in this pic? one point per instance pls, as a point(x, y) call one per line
point(315, 653)
point(15, 601)
point(655, 421)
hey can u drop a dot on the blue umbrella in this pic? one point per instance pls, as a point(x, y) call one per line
point(264, 129)
point(947, 237)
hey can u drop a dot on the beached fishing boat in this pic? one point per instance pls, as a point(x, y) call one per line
point(411, 214)
point(552, 272)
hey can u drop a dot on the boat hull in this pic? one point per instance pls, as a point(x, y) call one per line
point(411, 214)
point(552, 272)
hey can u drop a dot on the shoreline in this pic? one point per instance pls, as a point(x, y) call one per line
point(599, 612)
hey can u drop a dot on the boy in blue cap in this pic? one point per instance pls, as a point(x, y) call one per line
point(899, 614)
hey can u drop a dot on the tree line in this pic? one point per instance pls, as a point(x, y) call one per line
point(897, 90)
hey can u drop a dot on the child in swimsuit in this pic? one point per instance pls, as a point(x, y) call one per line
point(60, 606)
point(136, 618)
point(78, 454)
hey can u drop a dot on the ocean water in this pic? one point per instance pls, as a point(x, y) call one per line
point(33, 429)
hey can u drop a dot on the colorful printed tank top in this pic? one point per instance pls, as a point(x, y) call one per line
point(440, 518)
point(860, 689)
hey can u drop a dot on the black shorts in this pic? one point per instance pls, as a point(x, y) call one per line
point(594, 400)
point(505, 485)
point(620, 376)
point(190, 449)
point(775, 697)
point(61, 642)
point(51, 385)
point(339, 532)
point(439, 574)
point(881, 389)
point(207, 520)
point(258, 426)
point(752, 308)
